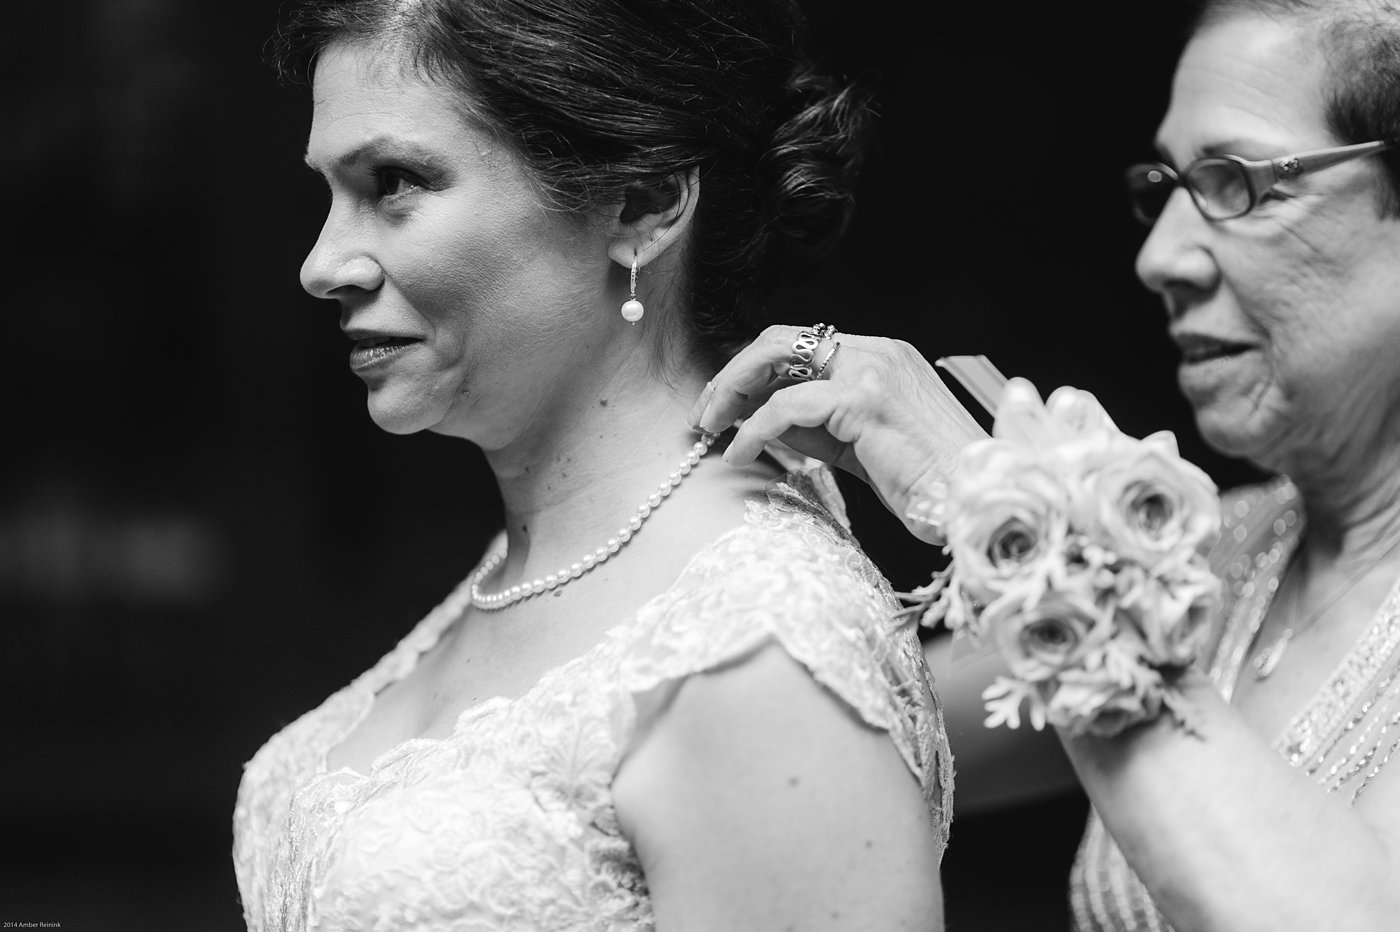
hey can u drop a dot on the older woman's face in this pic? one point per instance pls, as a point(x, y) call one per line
point(465, 298)
point(1288, 318)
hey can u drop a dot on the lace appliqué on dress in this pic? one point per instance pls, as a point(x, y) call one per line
point(508, 824)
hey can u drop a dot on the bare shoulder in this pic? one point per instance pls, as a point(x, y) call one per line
point(766, 713)
point(759, 783)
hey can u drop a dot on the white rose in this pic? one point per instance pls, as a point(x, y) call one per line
point(1004, 526)
point(1173, 615)
point(1056, 634)
point(1151, 507)
point(1096, 702)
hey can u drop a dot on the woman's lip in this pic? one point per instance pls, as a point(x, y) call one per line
point(1197, 349)
point(1201, 378)
point(373, 351)
point(1195, 355)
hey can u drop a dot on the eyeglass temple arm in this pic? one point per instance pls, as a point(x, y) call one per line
point(1295, 165)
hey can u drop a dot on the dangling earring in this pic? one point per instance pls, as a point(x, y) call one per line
point(632, 309)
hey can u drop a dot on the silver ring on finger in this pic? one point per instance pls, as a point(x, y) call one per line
point(804, 349)
point(827, 361)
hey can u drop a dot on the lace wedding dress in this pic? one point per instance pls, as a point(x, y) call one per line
point(508, 824)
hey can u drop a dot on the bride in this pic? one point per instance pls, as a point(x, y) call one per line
point(669, 696)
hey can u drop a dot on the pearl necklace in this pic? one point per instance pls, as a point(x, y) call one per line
point(508, 597)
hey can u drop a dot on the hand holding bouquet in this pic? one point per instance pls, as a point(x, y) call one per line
point(1080, 554)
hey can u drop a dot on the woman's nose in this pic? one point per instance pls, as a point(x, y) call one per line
point(337, 262)
point(1175, 256)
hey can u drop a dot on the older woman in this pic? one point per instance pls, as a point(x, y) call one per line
point(1275, 246)
point(547, 221)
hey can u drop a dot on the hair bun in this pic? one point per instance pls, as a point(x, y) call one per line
point(813, 161)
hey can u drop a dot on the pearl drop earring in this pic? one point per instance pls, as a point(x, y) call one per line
point(632, 309)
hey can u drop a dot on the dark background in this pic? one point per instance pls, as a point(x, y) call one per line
point(202, 534)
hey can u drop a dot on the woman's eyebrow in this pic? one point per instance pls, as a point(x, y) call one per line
point(1239, 146)
point(381, 146)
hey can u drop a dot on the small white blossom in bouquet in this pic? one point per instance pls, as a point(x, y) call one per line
point(1078, 553)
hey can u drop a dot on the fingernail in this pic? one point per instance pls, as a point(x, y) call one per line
point(702, 404)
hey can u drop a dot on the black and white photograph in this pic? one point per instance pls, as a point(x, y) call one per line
point(701, 466)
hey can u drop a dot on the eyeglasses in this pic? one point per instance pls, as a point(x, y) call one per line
point(1227, 186)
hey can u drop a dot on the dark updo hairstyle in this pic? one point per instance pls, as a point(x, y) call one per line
point(600, 95)
point(1361, 44)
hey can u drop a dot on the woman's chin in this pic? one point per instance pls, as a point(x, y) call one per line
point(395, 417)
point(1239, 437)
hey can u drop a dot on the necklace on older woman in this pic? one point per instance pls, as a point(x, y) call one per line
point(507, 597)
point(1268, 658)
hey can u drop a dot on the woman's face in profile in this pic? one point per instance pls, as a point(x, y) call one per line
point(1288, 318)
point(457, 287)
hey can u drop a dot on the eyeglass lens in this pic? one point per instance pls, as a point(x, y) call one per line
point(1220, 188)
point(1149, 187)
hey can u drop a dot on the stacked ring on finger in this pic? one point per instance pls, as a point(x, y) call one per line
point(804, 348)
point(827, 361)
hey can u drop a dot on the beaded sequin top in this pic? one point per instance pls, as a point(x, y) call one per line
point(1341, 738)
point(509, 824)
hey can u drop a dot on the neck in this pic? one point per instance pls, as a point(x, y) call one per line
point(568, 485)
point(1353, 517)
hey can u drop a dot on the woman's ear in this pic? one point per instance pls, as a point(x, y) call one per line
point(653, 217)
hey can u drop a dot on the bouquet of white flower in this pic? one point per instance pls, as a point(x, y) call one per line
point(1080, 554)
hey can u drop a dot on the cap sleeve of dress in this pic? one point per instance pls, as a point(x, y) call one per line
point(793, 576)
